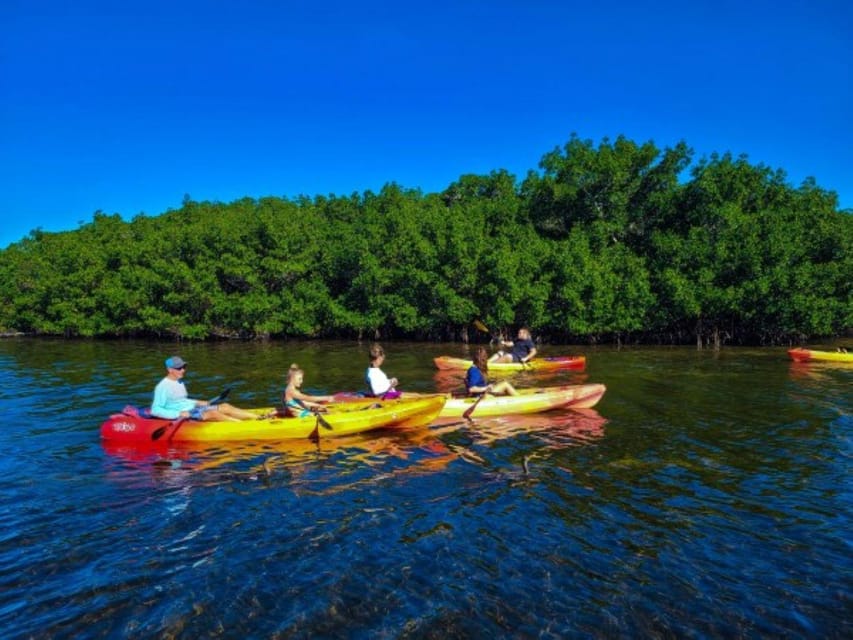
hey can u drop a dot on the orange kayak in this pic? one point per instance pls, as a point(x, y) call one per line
point(537, 364)
point(807, 355)
point(573, 396)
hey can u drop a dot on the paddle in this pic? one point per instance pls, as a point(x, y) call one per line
point(470, 410)
point(221, 397)
point(314, 436)
point(481, 327)
point(158, 433)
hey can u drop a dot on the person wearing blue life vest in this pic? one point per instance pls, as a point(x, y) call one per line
point(521, 349)
point(172, 402)
point(379, 384)
point(476, 382)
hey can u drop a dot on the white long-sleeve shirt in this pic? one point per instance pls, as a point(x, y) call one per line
point(170, 399)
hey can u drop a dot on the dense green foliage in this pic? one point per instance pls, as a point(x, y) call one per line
point(606, 242)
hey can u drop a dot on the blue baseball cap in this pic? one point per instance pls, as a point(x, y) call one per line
point(175, 362)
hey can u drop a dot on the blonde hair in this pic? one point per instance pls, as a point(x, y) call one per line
point(291, 373)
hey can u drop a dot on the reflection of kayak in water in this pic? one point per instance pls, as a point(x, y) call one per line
point(557, 429)
point(416, 451)
point(554, 363)
point(339, 420)
point(808, 355)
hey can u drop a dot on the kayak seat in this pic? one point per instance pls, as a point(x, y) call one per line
point(136, 412)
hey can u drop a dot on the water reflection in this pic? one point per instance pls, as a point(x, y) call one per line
point(394, 452)
point(708, 498)
point(818, 370)
point(556, 429)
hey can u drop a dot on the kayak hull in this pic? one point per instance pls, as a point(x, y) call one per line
point(344, 419)
point(555, 363)
point(576, 396)
point(808, 355)
point(534, 400)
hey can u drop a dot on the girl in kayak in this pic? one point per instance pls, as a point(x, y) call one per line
point(476, 382)
point(378, 384)
point(296, 403)
point(522, 348)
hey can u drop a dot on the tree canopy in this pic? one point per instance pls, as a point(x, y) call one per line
point(617, 241)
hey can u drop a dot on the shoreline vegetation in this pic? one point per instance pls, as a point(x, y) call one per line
point(606, 243)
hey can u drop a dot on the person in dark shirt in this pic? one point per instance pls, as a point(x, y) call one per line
point(476, 382)
point(520, 350)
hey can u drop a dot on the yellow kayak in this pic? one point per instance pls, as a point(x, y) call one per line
point(344, 419)
point(807, 355)
point(555, 363)
point(575, 396)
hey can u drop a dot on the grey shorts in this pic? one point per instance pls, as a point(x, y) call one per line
point(197, 412)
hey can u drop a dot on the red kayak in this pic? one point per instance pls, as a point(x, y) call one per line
point(338, 420)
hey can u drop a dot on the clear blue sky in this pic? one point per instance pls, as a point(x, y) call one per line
point(126, 106)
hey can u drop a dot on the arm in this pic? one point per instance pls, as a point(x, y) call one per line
point(312, 402)
point(530, 355)
point(323, 399)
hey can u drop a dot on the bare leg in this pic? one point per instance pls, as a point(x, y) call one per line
point(234, 412)
point(217, 416)
point(504, 388)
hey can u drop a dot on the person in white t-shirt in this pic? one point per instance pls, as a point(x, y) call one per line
point(379, 384)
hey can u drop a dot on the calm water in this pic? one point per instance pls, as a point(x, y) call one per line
point(707, 496)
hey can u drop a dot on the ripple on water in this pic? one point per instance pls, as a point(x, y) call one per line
point(705, 496)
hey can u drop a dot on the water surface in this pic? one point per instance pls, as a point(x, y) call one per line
point(707, 495)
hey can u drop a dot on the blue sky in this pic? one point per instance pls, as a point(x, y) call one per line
point(125, 107)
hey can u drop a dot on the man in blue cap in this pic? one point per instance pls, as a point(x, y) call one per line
point(171, 401)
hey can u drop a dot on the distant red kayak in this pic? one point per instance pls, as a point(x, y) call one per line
point(537, 364)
